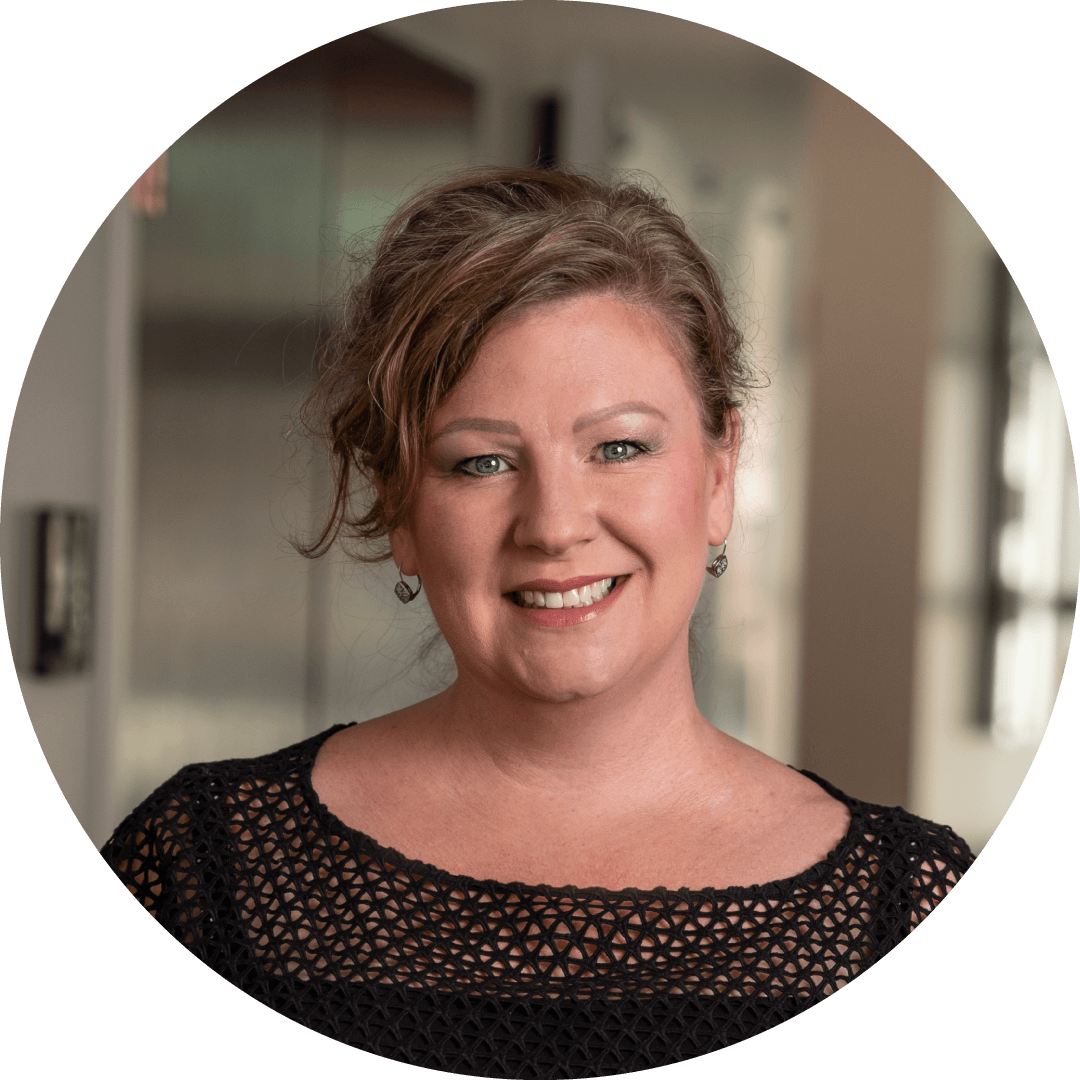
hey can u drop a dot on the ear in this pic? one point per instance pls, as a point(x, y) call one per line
point(402, 544)
point(721, 478)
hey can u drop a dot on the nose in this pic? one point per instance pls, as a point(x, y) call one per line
point(558, 509)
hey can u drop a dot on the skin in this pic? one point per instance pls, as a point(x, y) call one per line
point(573, 754)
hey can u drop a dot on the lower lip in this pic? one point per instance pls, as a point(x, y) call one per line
point(569, 616)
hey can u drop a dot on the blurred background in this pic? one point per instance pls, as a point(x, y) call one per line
point(904, 563)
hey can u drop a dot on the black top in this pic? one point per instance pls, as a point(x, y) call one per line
point(241, 862)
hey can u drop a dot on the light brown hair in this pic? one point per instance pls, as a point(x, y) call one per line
point(460, 257)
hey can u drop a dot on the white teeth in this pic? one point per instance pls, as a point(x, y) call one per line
point(574, 598)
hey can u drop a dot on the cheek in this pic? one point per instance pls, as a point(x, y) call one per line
point(453, 542)
point(673, 506)
point(439, 515)
point(689, 507)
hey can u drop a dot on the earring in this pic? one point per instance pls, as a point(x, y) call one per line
point(719, 564)
point(403, 592)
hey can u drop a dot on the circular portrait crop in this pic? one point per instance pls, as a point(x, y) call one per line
point(570, 555)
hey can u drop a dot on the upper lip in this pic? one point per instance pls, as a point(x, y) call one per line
point(549, 585)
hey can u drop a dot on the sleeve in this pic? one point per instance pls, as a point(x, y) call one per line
point(157, 854)
point(938, 860)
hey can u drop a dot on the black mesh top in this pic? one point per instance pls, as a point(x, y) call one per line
point(241, 862)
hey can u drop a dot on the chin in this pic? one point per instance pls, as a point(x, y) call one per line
point(567, 686)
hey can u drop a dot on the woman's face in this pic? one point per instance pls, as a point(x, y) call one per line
point(571, 453)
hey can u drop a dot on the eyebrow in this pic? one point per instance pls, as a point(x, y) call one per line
point(505, 427)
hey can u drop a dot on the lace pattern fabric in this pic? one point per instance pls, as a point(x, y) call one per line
point(241, 863)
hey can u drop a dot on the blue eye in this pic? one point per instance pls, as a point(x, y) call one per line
point(625, 457)
point(485, 458)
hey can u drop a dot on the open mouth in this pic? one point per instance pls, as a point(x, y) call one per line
point(585, 596)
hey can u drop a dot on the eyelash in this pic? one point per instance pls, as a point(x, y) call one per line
point(641, 449)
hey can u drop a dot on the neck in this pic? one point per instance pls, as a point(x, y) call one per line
point(641, 736)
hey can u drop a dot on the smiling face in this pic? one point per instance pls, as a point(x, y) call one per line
point(571, 452)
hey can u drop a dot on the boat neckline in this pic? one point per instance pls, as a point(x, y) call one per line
point(854, 835)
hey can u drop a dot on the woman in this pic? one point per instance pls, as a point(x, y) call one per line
point(538, 383)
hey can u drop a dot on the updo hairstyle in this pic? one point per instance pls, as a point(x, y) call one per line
point(452, 263)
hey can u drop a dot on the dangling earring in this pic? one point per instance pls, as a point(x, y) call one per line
point(403, 592)
point(719, 564)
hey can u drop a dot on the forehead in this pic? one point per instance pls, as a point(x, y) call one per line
point(589, 344)
point(592, 367)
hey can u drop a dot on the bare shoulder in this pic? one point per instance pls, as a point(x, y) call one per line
point(371, 764)
point(788, 822)
point(814, 819)
point(380, 736)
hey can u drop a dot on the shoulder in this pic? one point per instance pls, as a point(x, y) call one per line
point(190, 782)
point(920, 859)
point(898, 831)
point(196, 800)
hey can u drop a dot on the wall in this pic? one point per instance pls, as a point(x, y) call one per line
point(71, 446)
point(871, 314)
point(960, 775)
